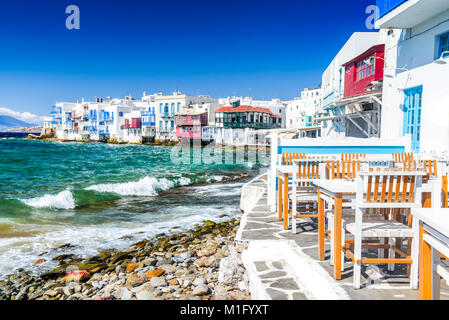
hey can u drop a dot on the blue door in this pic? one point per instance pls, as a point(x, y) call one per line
point(412, 115)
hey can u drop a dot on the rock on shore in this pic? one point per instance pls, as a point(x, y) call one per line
point(201, 264)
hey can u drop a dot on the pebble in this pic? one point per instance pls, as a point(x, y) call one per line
point(200, 290)
point(158, 282)
point(182, 267)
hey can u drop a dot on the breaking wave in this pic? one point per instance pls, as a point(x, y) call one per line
point(62, 200)
point(147, 186)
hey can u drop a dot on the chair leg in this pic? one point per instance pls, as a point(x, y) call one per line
point(342, 253)
point(357, 256)
point(381, 251)
point(330, 219)
point(391, 254)
point(357, 248)
point(414, 266)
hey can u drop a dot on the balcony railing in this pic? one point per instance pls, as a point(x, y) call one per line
point(167, 115)
point(252, 125)
point(386, 6)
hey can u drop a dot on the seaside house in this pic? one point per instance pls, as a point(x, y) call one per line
point(166, 108)
point(301, 113)
point(189, 124)
point(352, 89)
point(416, 90)
point(60, 118)
point(276, 106)
point(235, 123)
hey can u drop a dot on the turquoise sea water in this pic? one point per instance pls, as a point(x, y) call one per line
point(97, 196)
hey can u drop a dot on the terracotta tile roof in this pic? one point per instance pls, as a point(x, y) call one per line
point(246, 109)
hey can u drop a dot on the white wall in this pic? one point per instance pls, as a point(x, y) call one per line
point(416, 50)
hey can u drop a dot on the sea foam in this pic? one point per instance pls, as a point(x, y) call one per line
point(62, 200)
point(147, 186)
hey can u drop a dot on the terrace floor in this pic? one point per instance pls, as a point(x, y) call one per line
point(285, 266)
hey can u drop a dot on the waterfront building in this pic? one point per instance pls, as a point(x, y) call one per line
point(351, 89)
point(416, 90)
point(276, 106)
point(166, 108)
point(189, 124)
point(235, 122)
point(301, 113)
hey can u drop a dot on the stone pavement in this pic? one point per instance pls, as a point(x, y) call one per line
point(282, 265)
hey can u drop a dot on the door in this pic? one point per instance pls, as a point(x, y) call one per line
point(412, 115)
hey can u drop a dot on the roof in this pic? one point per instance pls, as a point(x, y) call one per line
point(246, 109)
point(191, 113)
point(370, 51)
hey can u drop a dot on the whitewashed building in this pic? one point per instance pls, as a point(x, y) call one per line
point(416, 86)
point(342, 116)
point(300, 113)
point(166, 107)
point(276, 106)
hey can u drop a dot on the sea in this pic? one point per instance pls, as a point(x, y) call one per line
point(96, 196)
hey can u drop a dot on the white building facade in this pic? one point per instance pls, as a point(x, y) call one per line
point(300, 113)
point(333, 108)
point(416, 86)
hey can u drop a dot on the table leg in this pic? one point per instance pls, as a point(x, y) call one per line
point(426, 200)
point(425, 267)
point(280, 202)
point(320, 226)
point(285, 210)
point(337, 237)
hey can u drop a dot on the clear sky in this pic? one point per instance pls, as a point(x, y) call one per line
point(266, 49)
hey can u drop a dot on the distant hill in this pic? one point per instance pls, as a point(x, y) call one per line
point(8, 122)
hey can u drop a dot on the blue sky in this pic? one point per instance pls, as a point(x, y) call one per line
point(267, 49)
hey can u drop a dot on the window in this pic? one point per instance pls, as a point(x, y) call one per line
point(365, 68)
point(120, 114)
point(179, 107)
point(444, 44)
point(160, 124)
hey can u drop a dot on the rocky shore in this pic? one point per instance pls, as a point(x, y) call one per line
point(200, 264)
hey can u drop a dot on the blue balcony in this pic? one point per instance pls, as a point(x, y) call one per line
point(405, 14)
point(167, 115)
point(386, 6)
point(91, 128)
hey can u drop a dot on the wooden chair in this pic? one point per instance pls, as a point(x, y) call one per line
point(403, 157)
point(288, 157)
point(352, 156)
point(380, 199)
point(303, 199)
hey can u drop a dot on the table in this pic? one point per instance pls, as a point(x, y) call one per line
point(285, 171)
point(337, 190)
point(432, 228)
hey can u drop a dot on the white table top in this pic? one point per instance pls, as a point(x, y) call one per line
point(287, 169)
point(337, 185)
point(436, 218)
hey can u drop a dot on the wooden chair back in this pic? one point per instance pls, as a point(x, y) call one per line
point(352, 156)
point(389, 191)
point(288, 157)
point(403, 157)
point(342, 169)
point(308, 170)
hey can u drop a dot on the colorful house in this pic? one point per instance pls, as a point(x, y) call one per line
point(189, 125)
